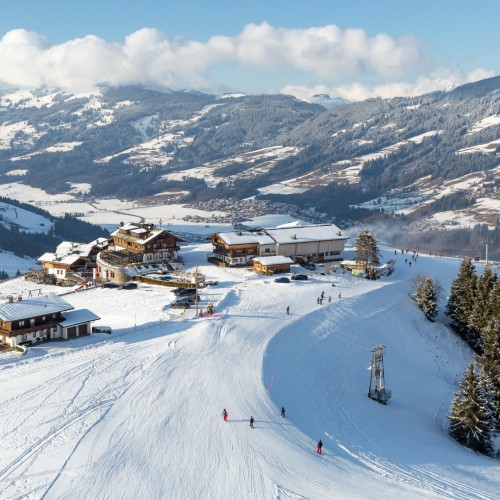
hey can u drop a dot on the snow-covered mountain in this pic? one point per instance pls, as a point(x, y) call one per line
point(137, 414)
point(429, 155)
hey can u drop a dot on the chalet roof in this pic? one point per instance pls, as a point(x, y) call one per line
point(138, 234)
point(69, 252)
point(35, 306)
point(301, 234)
point(78, 317)
point(66, 259)
point(246, 237)
point(273, 260)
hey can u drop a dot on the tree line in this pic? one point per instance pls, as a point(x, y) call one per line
point(474, 310)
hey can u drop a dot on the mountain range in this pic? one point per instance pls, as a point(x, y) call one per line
point(431, 160)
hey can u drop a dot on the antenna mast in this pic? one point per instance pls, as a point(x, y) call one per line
point(377, 376)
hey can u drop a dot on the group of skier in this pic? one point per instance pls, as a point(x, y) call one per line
point(322, 297)
point(319, 446)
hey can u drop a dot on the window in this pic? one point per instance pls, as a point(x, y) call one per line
point(21, 323)
point(25, 336)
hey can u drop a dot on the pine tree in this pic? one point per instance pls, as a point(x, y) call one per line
point(490, 365)
point(470, 421)
point(367, 250)
point(426, 296)
point(482, 306)
point(462, 295)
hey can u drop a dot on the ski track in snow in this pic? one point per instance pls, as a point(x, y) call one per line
point(138, 414)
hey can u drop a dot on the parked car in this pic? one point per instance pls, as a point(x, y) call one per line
point(282, 279)
point(211, 283)
point(129, 286)
point(300, 277)
point(101, 329)
point(110, 284)
point(181, 304)
point(308, 265)
point(180, 292)
point(190, 299)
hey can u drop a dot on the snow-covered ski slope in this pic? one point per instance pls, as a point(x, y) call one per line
point(137, 414)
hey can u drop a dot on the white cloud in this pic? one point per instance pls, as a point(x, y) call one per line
point(327, 54)
point(147, 56)
point(439, 79)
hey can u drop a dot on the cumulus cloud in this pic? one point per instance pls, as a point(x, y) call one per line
point(325, 54)
point(439, 79)
point(147, 56)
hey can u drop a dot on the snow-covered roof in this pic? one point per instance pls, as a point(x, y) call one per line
point(66, 259)
point(140, 234)
point(35, 306)
point(273, 260)
point(78, 317)
point(321, 232)
point(69, 252)
point(245, 237)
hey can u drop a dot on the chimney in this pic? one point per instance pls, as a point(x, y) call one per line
point(19, 298)
point(294, 236)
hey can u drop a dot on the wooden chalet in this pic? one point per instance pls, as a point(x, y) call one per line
point(148, 242)
point(71, 257)
point(272, 265)
point(42, 318)
point(237, 248)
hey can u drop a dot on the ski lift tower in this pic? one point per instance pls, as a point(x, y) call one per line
point(379, 392)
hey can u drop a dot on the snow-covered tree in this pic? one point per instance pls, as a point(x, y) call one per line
point(470, 419)
point(490, 365)
point(482, 306)
point(462, 295)
point(426, 295)
point(367, 250)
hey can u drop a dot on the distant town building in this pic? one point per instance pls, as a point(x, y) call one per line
point(314, 243)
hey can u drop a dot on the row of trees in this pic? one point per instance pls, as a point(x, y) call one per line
point(474, 308)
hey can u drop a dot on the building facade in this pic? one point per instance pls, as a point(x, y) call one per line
point(42, 318)
point(314, 243)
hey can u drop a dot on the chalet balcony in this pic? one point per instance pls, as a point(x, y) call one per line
point(30, 329)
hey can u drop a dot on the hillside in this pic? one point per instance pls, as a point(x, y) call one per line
point(433, 159)
point(138, 413)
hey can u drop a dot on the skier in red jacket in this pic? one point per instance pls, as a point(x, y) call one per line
point(224, 415)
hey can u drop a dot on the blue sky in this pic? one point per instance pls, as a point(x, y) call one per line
point(355, 49)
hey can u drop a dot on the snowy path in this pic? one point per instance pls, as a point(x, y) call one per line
point(138, 415)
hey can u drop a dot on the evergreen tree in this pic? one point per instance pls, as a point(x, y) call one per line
point(367, 250)
point(482, 306)
point(490, 365)
point(426, 296)
point(470, 421)
point(462, 295)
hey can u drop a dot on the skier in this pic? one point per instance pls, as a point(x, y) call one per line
point(224, 415)
point(283, 411)
point(329, 298)
point(288, 309)
point(323, 294)
point(340, 295)
point(251, 422)
point(318, 448)
point(318, 300)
